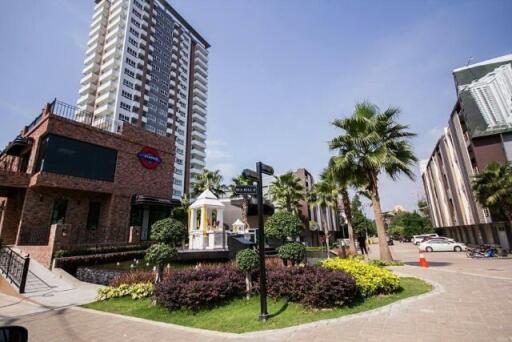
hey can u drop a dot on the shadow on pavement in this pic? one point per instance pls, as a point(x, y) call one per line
point(430, 263)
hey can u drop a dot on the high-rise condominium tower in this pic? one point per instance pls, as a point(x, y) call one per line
point(146, 65)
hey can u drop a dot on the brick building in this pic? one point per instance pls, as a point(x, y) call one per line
point(65, 181)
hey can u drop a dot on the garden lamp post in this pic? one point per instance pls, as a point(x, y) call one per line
point(258, 178)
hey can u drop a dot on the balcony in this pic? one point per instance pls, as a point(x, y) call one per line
point(112, 74)
point(107, 86)
point(196, 125)
point(199, 135)
point(89, 78)
point(89, 88)
point(195, 170)
point(104, 98)
point(197, 152)
point(199, 101)
point(200, 63)
point(201, 86)
point(91, 68)
point(86, 100)
point(104, 110)
point(198, 144)
point(201, 78)
point(197, 162)
point(94, 58)
point(198, 109)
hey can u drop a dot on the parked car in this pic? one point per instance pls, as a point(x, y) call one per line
point(441, 245)
point(437, 238)
point(416, 239)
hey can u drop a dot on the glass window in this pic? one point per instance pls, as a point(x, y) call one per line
point(59, 211)
point(93, 217)
point(76, 158)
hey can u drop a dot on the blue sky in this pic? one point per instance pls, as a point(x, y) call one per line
point(279, 70)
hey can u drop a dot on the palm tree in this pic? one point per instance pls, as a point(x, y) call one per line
point(237, 181)
point(493, 188)
point(342, 179)
point(375, 142)
point(209, 180)
point(325, 199)
point(287, 192)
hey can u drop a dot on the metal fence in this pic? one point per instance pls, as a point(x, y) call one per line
point(496, 233)
point(14, 267)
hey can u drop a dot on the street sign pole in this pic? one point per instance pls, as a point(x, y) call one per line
point(261, 246)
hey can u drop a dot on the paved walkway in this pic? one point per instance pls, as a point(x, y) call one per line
point(470, 306)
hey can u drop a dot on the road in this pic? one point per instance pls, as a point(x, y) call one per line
point(472, 301)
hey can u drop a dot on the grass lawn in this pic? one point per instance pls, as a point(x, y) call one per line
point(240, 315)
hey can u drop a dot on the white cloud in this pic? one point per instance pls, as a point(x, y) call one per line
point(219, 158)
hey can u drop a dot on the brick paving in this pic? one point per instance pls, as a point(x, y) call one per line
point(468, 306)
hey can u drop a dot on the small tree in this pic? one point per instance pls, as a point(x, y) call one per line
point(293, 252)
point(283, 225)
point(160, 254)
point(169, 231)
point(247, 261)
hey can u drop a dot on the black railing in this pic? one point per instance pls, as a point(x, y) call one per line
point(14, 267)
point(70, 112)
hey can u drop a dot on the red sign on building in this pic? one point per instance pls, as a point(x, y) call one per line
point(149, 158)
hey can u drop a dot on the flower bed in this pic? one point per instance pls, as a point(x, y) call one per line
point(370, 279)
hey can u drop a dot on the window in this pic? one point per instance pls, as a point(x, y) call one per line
point(131, 51)
point(134, 32)
point(123, 117)
point(179, 161)
point(178, 182)
point(126, 94)
point(130, 62)
point(93, 217)
point(136, 13)
point(132, 41)
point(176, 193)
point(128, 83)
point(59, 211)
point(129, 72)
point(76, 158)
point(180, 141)
point(125, 106)
point(135, 22)
point(179, 151)
point(178, 171)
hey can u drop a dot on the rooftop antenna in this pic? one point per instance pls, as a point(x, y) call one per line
point(469, 60)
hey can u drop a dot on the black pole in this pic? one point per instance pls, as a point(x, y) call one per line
point(261, 247)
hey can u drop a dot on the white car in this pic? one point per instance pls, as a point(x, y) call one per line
point(416, 239)
point(441, 245)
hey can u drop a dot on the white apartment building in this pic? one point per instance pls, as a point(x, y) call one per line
point(493, 95)
point(146, 65)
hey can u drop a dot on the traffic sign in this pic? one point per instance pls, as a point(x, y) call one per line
point(245, 189)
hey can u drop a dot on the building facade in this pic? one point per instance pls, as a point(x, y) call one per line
point(146, 65)
point(479, 132)
point(65, 183)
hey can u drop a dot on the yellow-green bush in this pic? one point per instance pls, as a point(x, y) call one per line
point(370, 279)
point(136, 291)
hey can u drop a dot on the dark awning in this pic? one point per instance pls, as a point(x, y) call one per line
point(150, 200)
point(268, 207)
point(18, 146)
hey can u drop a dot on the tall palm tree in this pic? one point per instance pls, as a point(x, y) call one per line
point(287, 192)
point(493, 188)
point(209, 180)
point(237, 181)
point(375, 142)
point(324, 194)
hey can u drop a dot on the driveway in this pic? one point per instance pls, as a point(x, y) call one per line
point(472, 301)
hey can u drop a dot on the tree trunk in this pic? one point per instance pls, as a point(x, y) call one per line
point(248, 285)
point(385, 253)
point(348, 213)
point(245, 209)
point(326, 231)
point(159, 273)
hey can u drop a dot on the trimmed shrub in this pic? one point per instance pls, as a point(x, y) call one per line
point(247, 260)
point(133, 277)
point(314, 287)
point(370, 279)
point(169, 231)
point(293, 252)
point(136, 291)
point(282, 225)
point(160, 254)
point(197, 288)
